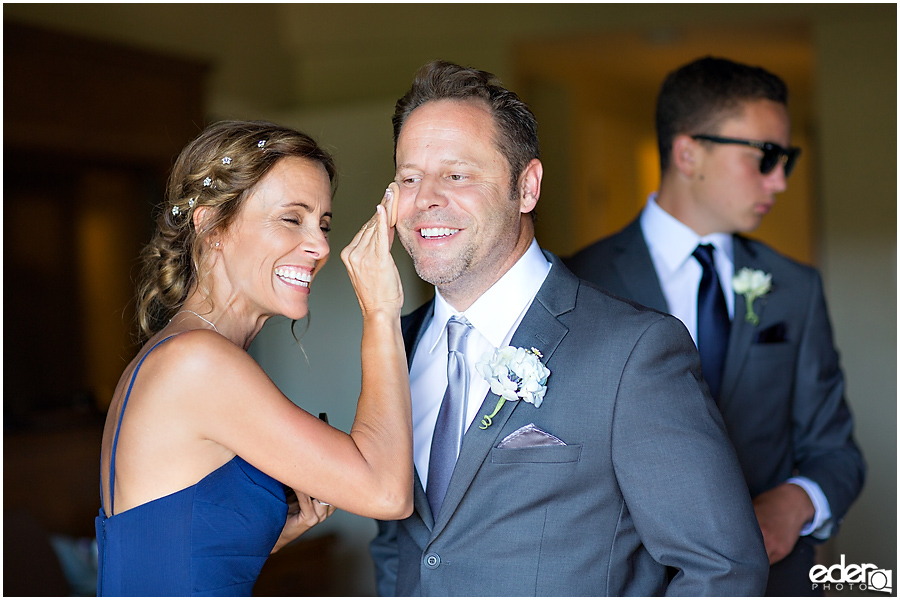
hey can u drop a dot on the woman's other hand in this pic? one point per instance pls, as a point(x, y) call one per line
point(369, 262)
point(303, 514)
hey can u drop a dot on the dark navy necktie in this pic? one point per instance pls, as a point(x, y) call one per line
point(449, 429)
point(713, 324)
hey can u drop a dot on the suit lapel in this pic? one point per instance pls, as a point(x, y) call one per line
point(635, 269)
point(413, 327)
point(539, 328)
point(420, 501)
point(742, 332)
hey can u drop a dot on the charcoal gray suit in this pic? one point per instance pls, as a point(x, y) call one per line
point(646, 488)
point(782, 391)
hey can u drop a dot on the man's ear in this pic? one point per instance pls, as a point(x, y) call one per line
point(685, 155)
point(530, 185)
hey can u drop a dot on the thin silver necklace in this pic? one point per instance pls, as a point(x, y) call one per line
point(193, 313)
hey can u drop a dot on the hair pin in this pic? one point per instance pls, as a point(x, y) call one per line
point(207, 182)
point(226, 160)
point(175, 211)
point(260, 143)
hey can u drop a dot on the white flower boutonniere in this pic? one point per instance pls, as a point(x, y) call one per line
point(752, 284)
point(514, 374)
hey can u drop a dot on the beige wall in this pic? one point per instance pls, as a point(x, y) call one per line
point(335, 71)
point(857, 127)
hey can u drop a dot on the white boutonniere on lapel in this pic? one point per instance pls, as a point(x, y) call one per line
point(751, 284)
point(514, 374)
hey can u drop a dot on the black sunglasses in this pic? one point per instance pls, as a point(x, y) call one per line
point(772, 153)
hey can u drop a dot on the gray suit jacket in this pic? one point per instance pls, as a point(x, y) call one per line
point(782, 393)
point(646, 488)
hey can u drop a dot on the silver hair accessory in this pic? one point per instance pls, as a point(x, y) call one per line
point(260, 143)
point(207, 182)
point(177, 211)
point(226, 160)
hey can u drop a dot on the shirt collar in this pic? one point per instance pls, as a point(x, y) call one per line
point(495, 312)
point(674, 242)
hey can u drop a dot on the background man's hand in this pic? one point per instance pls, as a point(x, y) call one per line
point(782, 512)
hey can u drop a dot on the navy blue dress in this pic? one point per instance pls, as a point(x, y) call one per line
point(209, 539)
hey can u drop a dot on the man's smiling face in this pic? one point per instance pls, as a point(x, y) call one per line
point(457, 219)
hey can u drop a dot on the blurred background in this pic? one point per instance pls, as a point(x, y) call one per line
point(98, 99)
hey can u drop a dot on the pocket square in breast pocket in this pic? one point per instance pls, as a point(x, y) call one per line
point(529, 437)
point(772, 335)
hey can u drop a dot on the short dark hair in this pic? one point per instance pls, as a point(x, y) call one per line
point(517, 136)
point(697, 97)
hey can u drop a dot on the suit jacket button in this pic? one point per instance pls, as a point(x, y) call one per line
point(432, 561)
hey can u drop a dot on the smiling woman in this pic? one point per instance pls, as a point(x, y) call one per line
point(215, 175)
point(280, 237)
point(197, 472)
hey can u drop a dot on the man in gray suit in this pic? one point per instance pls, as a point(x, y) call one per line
point(611, 476)
point(724, 132)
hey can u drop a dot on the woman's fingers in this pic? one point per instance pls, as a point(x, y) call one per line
point(363, 237)
point(369, 262)
point(313, 512)
point(303, 513)
point(390, 202)
point(323, 510)
point(395, 204)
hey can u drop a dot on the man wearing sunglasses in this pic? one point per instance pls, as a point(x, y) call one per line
point(764, 338)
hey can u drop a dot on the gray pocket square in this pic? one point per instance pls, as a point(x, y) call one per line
point(530, 437)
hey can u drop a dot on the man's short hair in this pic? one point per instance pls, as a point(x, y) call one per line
point(516, 126)
point(698, 97)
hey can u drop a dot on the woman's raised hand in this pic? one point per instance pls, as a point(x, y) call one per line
point(369, 262)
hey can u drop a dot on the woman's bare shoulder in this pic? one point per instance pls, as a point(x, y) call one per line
point(197, 365)
point(200, 349)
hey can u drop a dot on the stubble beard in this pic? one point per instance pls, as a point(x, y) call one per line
point(437, 269)
point(434, 267)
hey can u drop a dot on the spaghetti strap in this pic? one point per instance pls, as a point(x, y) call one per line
point(112, 457)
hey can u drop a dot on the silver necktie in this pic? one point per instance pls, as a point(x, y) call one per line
point(448, 431)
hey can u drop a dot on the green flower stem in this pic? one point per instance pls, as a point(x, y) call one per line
point(752, 318)
point(488, 419)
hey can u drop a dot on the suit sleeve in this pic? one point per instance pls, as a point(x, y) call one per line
point(823, 446)
point(386, 556)
point(678, 471)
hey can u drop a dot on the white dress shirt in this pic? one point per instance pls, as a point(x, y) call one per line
point(672, 244)
point(494, 318)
